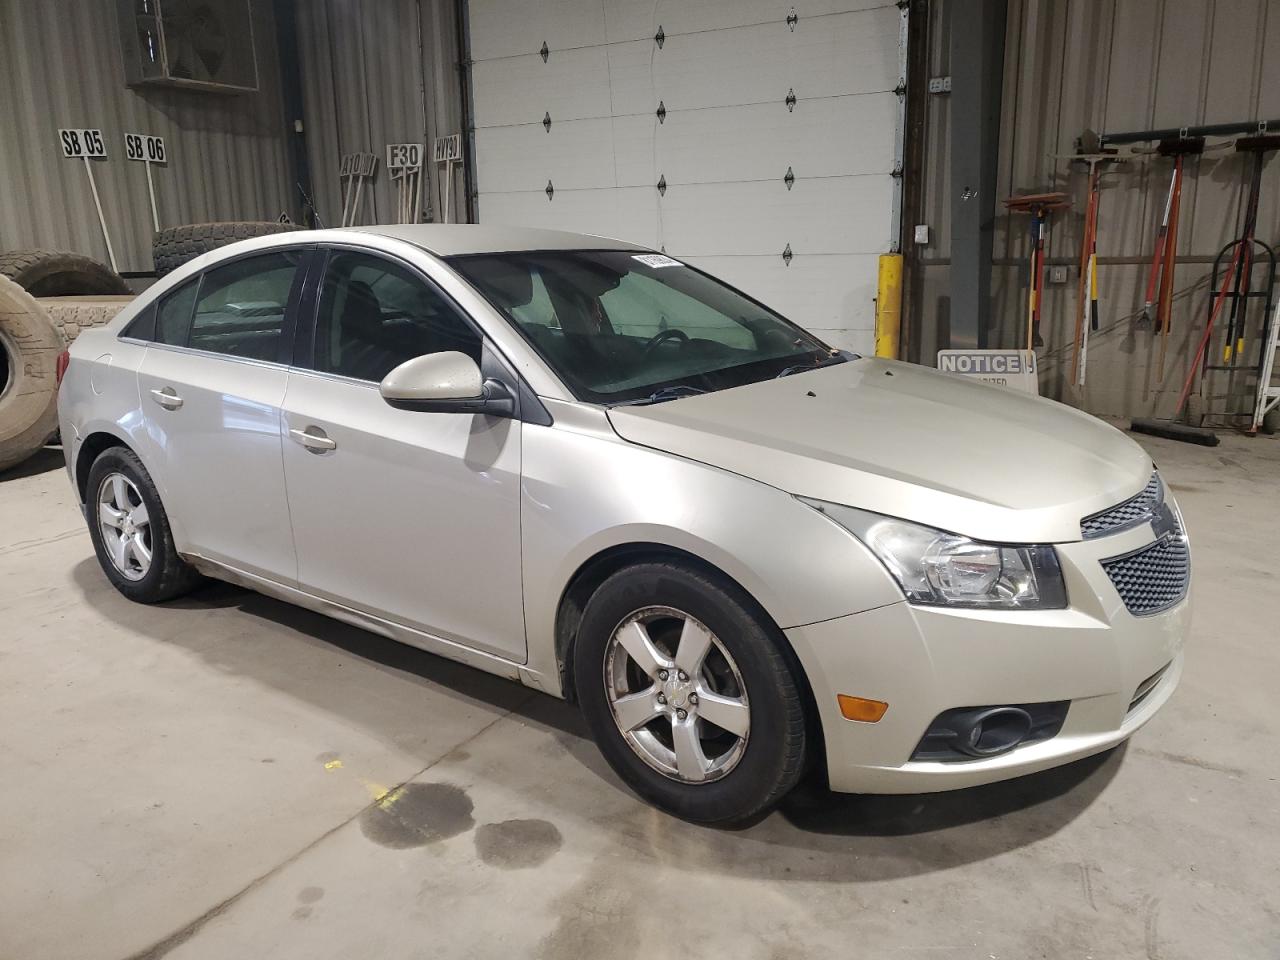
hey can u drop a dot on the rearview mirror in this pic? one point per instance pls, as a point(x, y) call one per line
point(447, 382)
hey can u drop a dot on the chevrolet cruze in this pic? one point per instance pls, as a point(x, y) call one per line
point(599, 471)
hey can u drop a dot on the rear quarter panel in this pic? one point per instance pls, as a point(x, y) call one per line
point(99, 395)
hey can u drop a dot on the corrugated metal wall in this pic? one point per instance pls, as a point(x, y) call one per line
point(60, 66)
point(1111, 65)
point(376, 72)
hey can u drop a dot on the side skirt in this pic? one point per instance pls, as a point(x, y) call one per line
point(383, 628)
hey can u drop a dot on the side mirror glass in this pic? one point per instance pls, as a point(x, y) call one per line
point(447, 382)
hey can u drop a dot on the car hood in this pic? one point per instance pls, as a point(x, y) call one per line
point(909, 442)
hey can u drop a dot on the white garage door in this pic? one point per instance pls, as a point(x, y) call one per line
point(752, 138)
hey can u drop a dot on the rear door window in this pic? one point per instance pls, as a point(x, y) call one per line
point(173, 317)
point(240, 308)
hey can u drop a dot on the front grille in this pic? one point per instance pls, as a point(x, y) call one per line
point(1154, 577)
point(1137, 509)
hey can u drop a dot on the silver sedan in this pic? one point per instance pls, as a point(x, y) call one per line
point(603, 473)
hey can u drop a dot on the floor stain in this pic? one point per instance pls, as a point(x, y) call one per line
point(517, 844)
point(310, 894)
point(301, 913)
point(1086, 885)
point(595, 921)
point(418, 814)
point(327, 757)
point(1151, 928)
point(1190, 761)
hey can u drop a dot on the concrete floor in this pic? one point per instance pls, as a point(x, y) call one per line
point(200, 780)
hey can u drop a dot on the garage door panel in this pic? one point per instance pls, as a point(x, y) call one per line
point(575, 154)
point(836, 215)
point(629, 20)
point(825, 294)
point(572, 85)
point(628, 213)
point(853, 53)
point(821, 138)
point(500, 28)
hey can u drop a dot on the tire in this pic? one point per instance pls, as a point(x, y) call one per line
point(771, 756)
point(28, 375)
point(166, 575)
point(46, 273)
point(176, 245)
point(72, 315)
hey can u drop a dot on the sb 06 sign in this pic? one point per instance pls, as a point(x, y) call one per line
point(141, 147)
point(82, 143)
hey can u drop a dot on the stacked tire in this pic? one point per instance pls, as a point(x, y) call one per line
point(176, 245)
point(46, 300)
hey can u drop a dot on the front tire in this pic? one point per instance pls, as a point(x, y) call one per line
point(130, 530)
point(689, 695)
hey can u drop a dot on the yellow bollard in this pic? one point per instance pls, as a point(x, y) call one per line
point(889, 305)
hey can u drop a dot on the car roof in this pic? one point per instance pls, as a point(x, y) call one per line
point(454, 239)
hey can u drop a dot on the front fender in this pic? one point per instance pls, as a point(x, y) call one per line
point(584, 492)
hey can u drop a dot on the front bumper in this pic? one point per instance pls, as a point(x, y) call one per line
point(924, 660)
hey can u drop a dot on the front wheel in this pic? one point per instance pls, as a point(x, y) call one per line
point(689, 695)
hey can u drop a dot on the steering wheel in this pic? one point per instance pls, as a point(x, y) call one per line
point(662, 336)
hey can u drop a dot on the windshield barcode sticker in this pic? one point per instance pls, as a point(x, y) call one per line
point(657, 260)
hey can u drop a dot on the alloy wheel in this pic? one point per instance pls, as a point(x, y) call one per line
point(125, 526)
point(676, 694)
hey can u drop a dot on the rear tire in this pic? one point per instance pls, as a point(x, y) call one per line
point(123, 504)
point(748, 770)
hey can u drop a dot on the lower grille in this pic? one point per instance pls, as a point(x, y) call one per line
point(1145, 688)
point(1153, 578)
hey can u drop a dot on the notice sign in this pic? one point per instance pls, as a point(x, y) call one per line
point(1002, 368)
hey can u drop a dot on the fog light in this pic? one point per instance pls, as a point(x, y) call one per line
point(861, 709)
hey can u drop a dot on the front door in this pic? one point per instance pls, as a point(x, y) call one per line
point(412, 517)
point(211, 385)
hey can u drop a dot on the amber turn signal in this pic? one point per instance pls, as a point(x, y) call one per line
point(858, 708)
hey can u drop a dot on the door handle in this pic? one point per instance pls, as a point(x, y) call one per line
point(314, 439)
point(167, 398)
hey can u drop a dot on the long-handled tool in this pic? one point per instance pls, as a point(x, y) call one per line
point(1039, 205)
point(1087, 288)
point(1234, 346)
point(1164, 312)
point(1157, 256)
point(1159, 279)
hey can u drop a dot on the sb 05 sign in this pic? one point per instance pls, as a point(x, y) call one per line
point(145, 148)
point(82, 143)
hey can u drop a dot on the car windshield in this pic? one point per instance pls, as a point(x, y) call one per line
point(625, 327)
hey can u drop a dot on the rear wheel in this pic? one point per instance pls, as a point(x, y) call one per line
point(130, 530)
point(688, 693)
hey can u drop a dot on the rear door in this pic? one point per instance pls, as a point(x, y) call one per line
point(413, 517)
point(211, 385)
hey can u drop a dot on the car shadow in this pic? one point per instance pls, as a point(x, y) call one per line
point(42, 461)
point(815, 835)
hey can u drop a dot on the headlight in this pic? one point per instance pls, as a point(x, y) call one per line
point(936, 567)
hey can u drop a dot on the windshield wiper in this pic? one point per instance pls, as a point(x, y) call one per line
point(811, 365)
point(659, 396)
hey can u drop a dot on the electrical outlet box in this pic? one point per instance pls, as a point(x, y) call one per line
point(1057, 274)
point(922, 233)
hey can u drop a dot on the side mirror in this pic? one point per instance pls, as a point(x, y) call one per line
point(447, 382)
